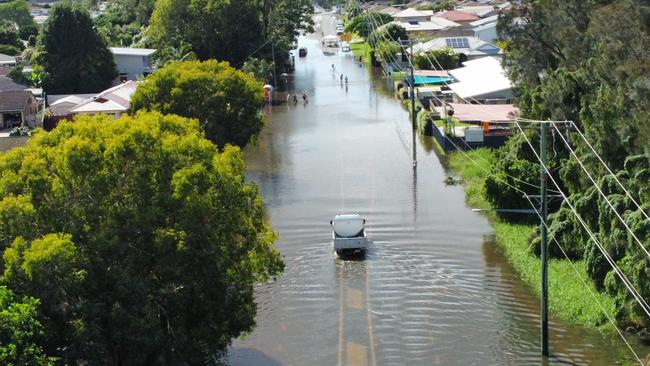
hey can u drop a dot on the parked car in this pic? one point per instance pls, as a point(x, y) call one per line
point(345, 47)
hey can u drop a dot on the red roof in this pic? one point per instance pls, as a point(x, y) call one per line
point(484, 112)
point(458, 16)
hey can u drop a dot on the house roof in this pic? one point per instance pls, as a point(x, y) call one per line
point(466, 45)
point(54, 99)
point(132, 51)
point(390, 10)
point(424, 26)
point(4, 70)
point(437, 73)
point(457, 16)
point(484, 112)
point(480, 76)
point(7, 85)
point(7, 59)
point(487, 20)
point(115, 99)
point(485, 26)
point(410, 13)
point(476, 10)
point(14, 101)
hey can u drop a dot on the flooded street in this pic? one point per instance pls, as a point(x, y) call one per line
point(432, 288)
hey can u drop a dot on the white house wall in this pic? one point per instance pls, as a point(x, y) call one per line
point(131, 65)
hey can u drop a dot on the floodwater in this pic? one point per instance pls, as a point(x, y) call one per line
point(431, 290)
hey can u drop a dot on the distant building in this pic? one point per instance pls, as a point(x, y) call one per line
point(132, 63)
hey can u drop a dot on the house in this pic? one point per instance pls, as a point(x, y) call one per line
point(483, 80)
point(115, 101)
point(468, 48)
point(18, 108)
point(132, 63)
point(417, 21)
point(7, 61)
point(389, 10)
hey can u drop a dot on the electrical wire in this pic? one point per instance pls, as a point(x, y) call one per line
point(584, 138)
point(609, 203)
point(617, 270)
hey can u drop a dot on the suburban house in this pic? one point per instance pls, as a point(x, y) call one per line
point(422, 21)
point(132, 63)
point(115, 101)
point(482, 80)
point(468, 48)
point(6, 85)
point(18, 108)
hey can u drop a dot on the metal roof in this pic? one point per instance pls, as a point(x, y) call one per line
point(124, 51)
point(14, 101)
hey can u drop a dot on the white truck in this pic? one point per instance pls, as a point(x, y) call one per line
point(349, 234)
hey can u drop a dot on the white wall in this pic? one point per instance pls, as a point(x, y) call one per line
point(488, 34)
point(132, 66)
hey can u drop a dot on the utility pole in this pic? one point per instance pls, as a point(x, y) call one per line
point(413, 115)
point(544, 248)
point(275, 80)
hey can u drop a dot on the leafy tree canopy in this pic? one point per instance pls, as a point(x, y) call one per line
point(139, 238)
point(225, 100)
point(391, 32)
point(586, 61)
point(230, 30)
point(17, 12)
point(445, 59)
point(73, 55)
point(365, 23)
point(20, 331)
point(9, 37)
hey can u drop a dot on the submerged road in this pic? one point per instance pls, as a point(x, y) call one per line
point(432, 289)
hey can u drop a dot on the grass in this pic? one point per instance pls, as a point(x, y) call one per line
point(361, 49)
point(457, 123)
point(569, 299)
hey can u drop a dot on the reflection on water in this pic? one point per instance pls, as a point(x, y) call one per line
point(431, 289)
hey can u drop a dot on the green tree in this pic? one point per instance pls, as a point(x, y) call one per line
point(446, 59)
point(224, 100)
point(74, 57)
point(20, 331)
point(365, 23)
point(17, 12)
point(230, 30)
point(9, 37)
point(391, 32)
point(140, 239)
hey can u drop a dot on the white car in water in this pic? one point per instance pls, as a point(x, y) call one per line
point(349, 234)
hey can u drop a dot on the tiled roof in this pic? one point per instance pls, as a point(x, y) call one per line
point(7, 85)
point(14, 101)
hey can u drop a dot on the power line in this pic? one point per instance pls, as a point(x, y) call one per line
point(617, 270)
point(610, 172)
point(609, 203)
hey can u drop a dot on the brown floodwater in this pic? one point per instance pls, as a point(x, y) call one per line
point(432, 289)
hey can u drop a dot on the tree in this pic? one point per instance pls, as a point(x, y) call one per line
point(446, 59)
point(9, 37)
point(391, 32)
point(230, 30)
point(224, 100)
point(139, 238)
point(365, 23)
point(20, 331)
point(17, 12)
point(74, 57)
